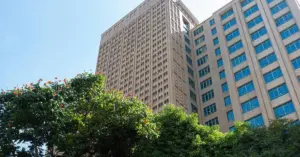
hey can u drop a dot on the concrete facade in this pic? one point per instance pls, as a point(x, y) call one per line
point(161, 54)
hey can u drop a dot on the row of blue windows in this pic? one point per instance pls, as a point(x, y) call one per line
point(212, 122)
point(188, 49)
point(190, 71)
point(296, 63)
point(201, 50)
point(191, 83)
point(245, 2)
point(202, 60)
point(263, 46)
point(257, 34)
point(229, 24)
point(227, 101)
point(255, 21)
point(292, 47)
point(251, 10)
point(227, 14)
point(283, 19)
point(284, 109)
point(269, 1)
point(289, 32)
point(208, 96)
point(189, 60)
point(214, 31)
point(230, 116)
point(216, 41)
point(238, 45)
point(250, 105)
point(238, 60)
point(232, 35)
point(204, 71)
point(187, 40)
point(278, 7)
point(220, 62)
point(278, 91)
point(193, 96)
point(218, 52)
point(212, 22)
point(267, 60)
point(256, 121)
point(272, 75)
point(222, 74)
point(198, 31)
point(246, 88)
point(225, 87)
point(206, 83)
point(210, 109)
point(242, 74)
point(200, 40)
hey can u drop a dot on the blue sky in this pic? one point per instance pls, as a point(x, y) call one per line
point(60, 38)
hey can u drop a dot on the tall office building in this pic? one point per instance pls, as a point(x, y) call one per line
point(241, 64)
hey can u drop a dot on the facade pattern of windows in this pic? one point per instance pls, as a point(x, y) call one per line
point(232, 35)
point(278, 7)
point(214, 31)
point(194, 108)
point(188, 49)
point(292, 47)
point(229, 24)
point(202, 60)
point(225, 87)
point(191, 83)
point(227, 101)
point(218, 52)
point(296, 63)
point(212, 22)
point(251, 10)
point(220, 62)
point(206, 83)
point(222, 74)
point(190, 71)
point(242, 74)
point(193, 96)
point(227, 14)
point(257, 121)
point(208, 96)
point(269, 59)
point(289, 31)
point(189, 60)
point(269, 1)
point(259, 33)
point(283, 19)
point(246, 88)
point(198, 31)
point(284, 109)
point(245, 2)
point(238, 60)
point(212, 122)
point(263, 46)
point(238, 45)
point(201, 50)
point(250, 105)
point(187, 40)
point(255, 21)
point(272, 75)
point(278, 91)
point(216, 41)
point(230, 116)
point(210, 109)
point(200, 40)
point(204, 71)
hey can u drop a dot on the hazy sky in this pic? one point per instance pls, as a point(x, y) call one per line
point(60, 38)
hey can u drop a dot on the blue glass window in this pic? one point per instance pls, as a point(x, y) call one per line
point(218, 52)
point(263, 46)
point(259, 33)
point(296, 122)
point(206, 83)
point(289, 32)
point(278, 91)
point(194, 108)
point(278, 7)
point(245, 2)
point(201, 50)
point(191, 83)
point(188, 49)
point(272, 75)
point(256, 121)
point(232, 35)
point(296, 63)
point(229, 24)
point(225, 87)
point(204, 71)
point(227, 101)
point(246, 88)
point(250, 105)
point(202, 60)
point(238, 60)
point(284, 109)
point(292, 47)
point(255, 21)
point(220, 62)
point(269, 59)
point(227, 14)
point(190, 71)
point(214, 31)
point(212, 122)
point(198, 31)
point(212, 22)
point(210, 109)
point(189, 60)
point(242, 74)
point(216, 41)
point(187, 40)
point(230, 116)
point(193, 96)
point(222, 74)
point(283, 19)
point(208, 96)
point(269, 1)
point(238, 45)
point(231, 129)
point(200, 40)
point(250, 11)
